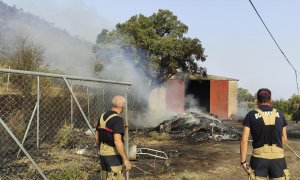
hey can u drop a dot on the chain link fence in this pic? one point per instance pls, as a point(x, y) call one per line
point(47, 124)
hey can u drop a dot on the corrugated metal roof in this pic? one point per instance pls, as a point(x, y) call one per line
point(209, 77)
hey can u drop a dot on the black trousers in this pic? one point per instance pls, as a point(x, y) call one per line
point(107, 162)
point(272, 168)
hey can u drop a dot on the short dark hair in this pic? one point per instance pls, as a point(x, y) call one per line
point(263, 95)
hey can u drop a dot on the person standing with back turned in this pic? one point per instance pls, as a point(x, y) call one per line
point(109, 134)
point(268, 130)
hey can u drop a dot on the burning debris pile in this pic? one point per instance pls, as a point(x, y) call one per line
point(196, 127)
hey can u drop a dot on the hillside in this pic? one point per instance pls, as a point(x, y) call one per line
point(61, 50)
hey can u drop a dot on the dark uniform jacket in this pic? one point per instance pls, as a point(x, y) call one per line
point(114, 126)
point(262, 134)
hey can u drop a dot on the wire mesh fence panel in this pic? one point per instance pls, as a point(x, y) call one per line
point(54, 119)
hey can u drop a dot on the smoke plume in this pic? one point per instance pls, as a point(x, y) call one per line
point(61, 50)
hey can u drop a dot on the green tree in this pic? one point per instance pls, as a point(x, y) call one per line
point(245, 97)
point(156, 44)
point(283, 106)
point(294, 107)
point(27, 57)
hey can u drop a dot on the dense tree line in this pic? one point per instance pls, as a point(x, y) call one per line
point(290, 108)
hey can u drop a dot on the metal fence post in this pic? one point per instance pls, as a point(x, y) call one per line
point(38, 114)
point(7, 80)
point(78, 105)
point(23, 149)
point(28, 127)
point(88, 103)
point(126, 130)
point(72, 110)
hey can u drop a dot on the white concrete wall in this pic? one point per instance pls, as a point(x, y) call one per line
point(157, 99)
point(232, 98)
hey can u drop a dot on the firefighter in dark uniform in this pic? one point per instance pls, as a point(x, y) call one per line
point(268, 130)
point(109, 135)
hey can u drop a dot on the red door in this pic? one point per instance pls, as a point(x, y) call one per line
point(219, 98)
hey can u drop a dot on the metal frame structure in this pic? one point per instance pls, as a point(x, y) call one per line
point(150, 152)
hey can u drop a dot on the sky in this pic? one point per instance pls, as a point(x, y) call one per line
point(236, 43)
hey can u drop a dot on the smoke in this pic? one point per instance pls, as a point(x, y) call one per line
point(74, 56)
point(152, 118)
point(79, 17)
point(146, 104)
point(243, 109)
point(61, 50)
point(161, 112)
point(121, 66)
point(192, 104)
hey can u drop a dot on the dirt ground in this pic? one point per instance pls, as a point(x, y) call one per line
point(209, 160)
point(206, 160)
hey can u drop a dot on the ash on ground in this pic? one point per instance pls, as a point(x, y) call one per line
point(197, 127)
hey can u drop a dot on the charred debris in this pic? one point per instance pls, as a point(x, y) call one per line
point(197, 127)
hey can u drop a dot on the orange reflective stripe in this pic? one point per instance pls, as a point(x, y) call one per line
point(109, 130)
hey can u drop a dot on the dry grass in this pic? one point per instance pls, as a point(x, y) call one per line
point(159, 136)
point(61, 164)
point(153, 138)
point(17, 124)
point(66, 165)
point(10, 90)
point(185, 175)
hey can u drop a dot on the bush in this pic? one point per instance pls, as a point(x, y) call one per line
point(64, 137)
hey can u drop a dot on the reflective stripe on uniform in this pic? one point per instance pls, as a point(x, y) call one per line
point(268, 152)
point(103, 123)
point(268, 120)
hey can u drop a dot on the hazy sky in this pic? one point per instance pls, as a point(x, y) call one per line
point(235, 41)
